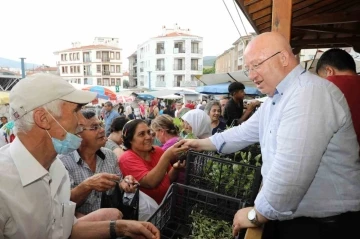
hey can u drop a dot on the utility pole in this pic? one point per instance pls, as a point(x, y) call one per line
point(22, 67)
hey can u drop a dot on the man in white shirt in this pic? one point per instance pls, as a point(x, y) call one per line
point(34, 186)
point(311, 169)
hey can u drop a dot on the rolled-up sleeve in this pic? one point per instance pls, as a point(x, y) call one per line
point(304, 132)
point(238, 137)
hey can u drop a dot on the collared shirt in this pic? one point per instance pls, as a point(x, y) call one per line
point(109, 117)
point(310, 153)
point(31, 197)
point(79, 170)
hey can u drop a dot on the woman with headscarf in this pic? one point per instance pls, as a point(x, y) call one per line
point(129, 112)
point(197, 123)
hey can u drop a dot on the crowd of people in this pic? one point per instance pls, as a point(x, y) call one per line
point(64, 157)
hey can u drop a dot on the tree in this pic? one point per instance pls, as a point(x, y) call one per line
point(209, 70)
point(126, 84)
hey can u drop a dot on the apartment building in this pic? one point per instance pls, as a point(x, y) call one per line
point(96, 64)
point(173, 59)
point(232, 59)
point(133, 70)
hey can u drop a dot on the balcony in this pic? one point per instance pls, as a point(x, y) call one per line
point(160, 83)
point(196, 67)
point(188, 83)
point(105, 59)
point(196, 50)
point(179, 50)
point(160, 51)
point(87, 73)
point(106, 73)
point(87, 59)
point(160, 67)
point(179, 67)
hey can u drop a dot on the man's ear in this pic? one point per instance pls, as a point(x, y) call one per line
point(284, 58)
point(42, 118)
point(330, 71)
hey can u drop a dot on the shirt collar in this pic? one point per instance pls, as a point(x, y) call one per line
point(78, 159)
point(28, 167)
point(286, 82)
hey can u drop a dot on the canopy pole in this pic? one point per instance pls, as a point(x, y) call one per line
point(281, 17)
point(232, 77)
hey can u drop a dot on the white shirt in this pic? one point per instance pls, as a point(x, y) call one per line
point(310, 152)
point(34, 202)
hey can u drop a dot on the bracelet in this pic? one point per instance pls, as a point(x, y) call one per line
point(112, 230)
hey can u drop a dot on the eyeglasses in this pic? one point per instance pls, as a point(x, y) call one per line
point(257, 66)
point(94, 127)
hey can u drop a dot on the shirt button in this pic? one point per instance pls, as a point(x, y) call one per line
point(282, 93)
point(273, 103)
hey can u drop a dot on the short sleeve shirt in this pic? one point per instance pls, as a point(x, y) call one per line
point(132, 164)
point(79, 170)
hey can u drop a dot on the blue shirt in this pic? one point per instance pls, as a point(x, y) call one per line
point(109, 116)
point(310, 153)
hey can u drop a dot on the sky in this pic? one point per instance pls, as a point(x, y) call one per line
point(35, 29)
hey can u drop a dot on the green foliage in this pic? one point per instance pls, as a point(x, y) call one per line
point(206, 227)
point(209, 70)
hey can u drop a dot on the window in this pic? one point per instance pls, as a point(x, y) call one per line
point(70, 56)
point(106, 82)
point(112, 55)
point(118, 68)
point(78, 69)
point(112, 68)
point(118, 81)
point(117, 55)
point(112, 81)
point(98, 55)
point(65, 57)
point(64, 69)
point(98, 68)
point(78, 56)
point(99, 81)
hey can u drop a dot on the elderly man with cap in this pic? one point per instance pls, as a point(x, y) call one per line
point(34, 185)
point(235, 106)
point(311, 169)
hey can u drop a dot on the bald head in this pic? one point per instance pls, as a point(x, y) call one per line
point(269, 57)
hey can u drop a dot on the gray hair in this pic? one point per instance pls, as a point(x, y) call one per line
point(209, 105)
point(25, 123)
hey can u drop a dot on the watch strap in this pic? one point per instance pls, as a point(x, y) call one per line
point(112, 230)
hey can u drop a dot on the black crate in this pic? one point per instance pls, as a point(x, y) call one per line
point(223, 176)
point(173, 219)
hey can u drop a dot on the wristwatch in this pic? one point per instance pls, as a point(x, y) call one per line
point(253, 217)
point(112, 230)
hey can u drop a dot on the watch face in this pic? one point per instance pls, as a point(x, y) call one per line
point(251, 215)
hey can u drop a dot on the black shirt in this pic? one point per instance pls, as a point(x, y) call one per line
point(221, 127)
point(233, 111)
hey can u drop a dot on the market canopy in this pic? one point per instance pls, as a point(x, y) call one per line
point(308, 24)
point(221, 89)
point(236, 76)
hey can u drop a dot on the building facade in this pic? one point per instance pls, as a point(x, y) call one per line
point(174, 59)
point(232, 59)
point(96, 64)
point(133, 70)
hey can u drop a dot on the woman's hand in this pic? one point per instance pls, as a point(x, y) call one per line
point(177, 149)
point(179, 164)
